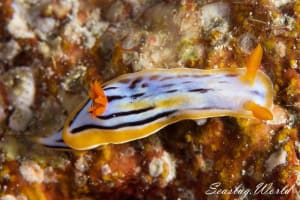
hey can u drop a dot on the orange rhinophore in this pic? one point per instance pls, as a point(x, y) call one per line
point(99, 100)
point(253, 64)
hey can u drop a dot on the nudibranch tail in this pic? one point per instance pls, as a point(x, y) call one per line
point(54, 141)
point(252, 65)
point(99, 100)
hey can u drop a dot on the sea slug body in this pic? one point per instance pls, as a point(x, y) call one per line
point(139, 104)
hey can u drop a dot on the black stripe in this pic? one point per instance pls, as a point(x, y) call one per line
point(109, 88)
point(183, 76)
point(135, 82)
point(115, 97)
point(137, 95)
point(201, 90)
point(132, 112)
point(232, 75)
point(201, 76)
point(137, 123)
point(210, 108)
point(166, 78)
point(144, 85)
point(59, 141)
point(167, 85)
point(58, 147)
point(257, 93)
point(154, 77)
point(75, 116)
point(171, 91)
point(126, 80)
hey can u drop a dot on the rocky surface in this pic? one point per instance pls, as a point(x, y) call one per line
point(51, 50)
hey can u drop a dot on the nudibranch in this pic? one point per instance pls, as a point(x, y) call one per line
point(136, 105)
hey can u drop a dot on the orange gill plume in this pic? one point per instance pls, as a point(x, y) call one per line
point(99, 100)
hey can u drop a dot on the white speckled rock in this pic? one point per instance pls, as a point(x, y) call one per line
point(105, 169)
point(32, 172)
point(280, 117)
point(20, 86)
point(280, 49)
point(215, 20)
point(2, 114)
point(139, 6)
point(82, 164)
point(2, 109)
point(210, 13)
point(276, 158)
point(11, 197)
point(9, 50)
point(117, 12)
point(88, 32)
point(156, 167)
point(19, 83)
point(279, 3)
point(164, 167)
point(18, 26)
point(8, 197)
point(20, 118)
point(44, 26)
point(247, 42)
point(155, 53)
